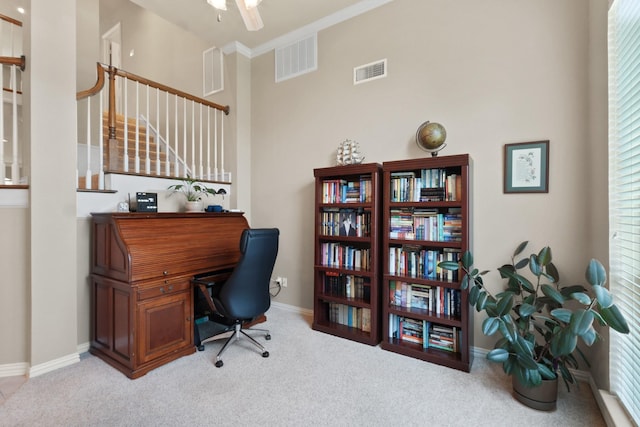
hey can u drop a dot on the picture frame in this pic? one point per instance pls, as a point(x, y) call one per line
point(526, 167)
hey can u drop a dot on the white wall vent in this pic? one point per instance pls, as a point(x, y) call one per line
point(297, 58)
point(371, 71)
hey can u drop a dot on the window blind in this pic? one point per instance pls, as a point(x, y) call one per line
point(624, 197)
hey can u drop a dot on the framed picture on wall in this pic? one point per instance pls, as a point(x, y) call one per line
point(526, 167)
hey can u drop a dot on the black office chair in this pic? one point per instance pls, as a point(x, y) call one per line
point(244, 295)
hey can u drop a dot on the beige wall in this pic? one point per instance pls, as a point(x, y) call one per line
point(492, 72)
point(14, 291)
point(50, 117)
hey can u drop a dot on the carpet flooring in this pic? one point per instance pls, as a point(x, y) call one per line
point(310, 379)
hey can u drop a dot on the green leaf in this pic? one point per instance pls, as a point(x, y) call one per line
point(552, 271)
point(498, 355)
point(508, 331)
point(505, 303)
point(522, 263)
point(589, 336)
point(581, 297)
point(520, 248)
point(615, 319)
point(552, 293)
point(563, 343)
point(546, 372)
point(596, 275)
point(490, 325)
point(581, 321)
point(544, 256)
point(562, 314)
point(603, 296)
point(467, 260)
point(534, 265)
point(473, 295)
point(482, 301)
point(526, 361)
point(526, 310)
point(449, 265)
point(568, 290)
point(466, 280)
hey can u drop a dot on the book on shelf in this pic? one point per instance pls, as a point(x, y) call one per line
point(425, 224)
point(355, 317)
point(350, 190)
point(338, 255)
point(436, 299)
point(415, 261)
point(433, 185)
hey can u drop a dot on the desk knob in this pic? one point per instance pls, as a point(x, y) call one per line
point(165, 272)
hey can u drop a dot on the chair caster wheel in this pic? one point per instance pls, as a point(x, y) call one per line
point(201, 348)
point(265, 354)
point(267, 337)
point(219, 363)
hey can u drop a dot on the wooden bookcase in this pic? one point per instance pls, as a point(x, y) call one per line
point(346, 297)
point(426, 219)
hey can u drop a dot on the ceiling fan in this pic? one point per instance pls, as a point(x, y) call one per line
point(248, 10)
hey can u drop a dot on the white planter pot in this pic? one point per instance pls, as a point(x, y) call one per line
point(193, 206)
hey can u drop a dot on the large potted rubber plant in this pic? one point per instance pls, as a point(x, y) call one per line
point(539, 321)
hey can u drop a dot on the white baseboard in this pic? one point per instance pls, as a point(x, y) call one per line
point(14, 369)
point(292, 308)
point(52, 365)
point(84, 347)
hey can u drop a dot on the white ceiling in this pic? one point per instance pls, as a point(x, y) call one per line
point(280, 17)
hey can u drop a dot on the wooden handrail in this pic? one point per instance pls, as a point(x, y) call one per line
point(131, 76)
point(10, 20)
point(96, 88)
point(11, 60)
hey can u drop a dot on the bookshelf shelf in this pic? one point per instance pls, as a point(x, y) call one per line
point(347, 260)
point(425, 220)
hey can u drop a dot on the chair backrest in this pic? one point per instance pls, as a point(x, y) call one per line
point(245, 294)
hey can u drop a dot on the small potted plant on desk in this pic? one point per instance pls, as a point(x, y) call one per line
point(194, 190)
point(539, 322)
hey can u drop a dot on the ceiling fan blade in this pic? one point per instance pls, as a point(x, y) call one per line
point(251, 17)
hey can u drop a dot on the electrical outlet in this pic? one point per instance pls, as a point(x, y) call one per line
point(281, 281)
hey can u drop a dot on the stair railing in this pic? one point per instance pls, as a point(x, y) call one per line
point(160, 131)
point(11, 67)
point(171, 156)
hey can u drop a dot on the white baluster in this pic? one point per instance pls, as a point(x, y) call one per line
point(176, 172)
point(157, 137)
point(209, 143)
point(147, 159)
point(215, 144)
point(200, 149)
point(184, 134)
point(2, 171)
point(193, 139)
point(87, 172)
point(137, 153)
point(167, 166)
point(100, 143)
point(15, 167)
point(125, 155)
point(222, 144)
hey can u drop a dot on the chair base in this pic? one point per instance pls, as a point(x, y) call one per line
point(238, 332)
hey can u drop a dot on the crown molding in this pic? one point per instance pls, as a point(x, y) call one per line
point(237, 47)
point(295, 35)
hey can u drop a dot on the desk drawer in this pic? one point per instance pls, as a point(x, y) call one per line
point(163, 287)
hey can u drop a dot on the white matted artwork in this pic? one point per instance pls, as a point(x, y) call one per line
point(212, 71)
